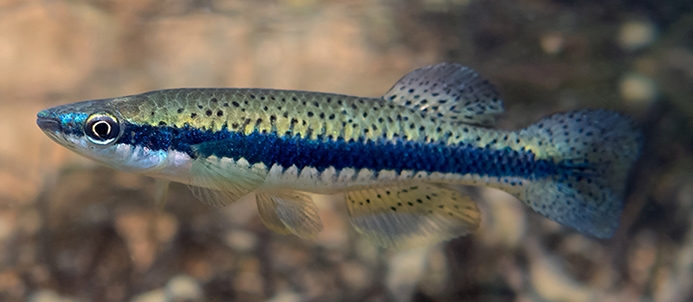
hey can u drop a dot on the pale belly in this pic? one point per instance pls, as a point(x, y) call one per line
point(177, 166)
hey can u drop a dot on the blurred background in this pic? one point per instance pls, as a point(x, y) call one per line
point(71, 230)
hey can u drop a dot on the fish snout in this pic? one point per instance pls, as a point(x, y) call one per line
point(47, 121)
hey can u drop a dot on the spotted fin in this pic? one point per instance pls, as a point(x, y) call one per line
point(411, 215)
point(221, 181)
point(450, 91)
point(289, 212)
point(594, 151)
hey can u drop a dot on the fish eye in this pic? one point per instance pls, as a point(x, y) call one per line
point(101, 128)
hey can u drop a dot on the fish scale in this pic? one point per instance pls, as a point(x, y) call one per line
point(431, 132)
point(297, 113)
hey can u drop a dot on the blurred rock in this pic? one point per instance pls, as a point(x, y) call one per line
point(642, 257)
point(241, 241)
point(157, 295)
point(24, 156)
point(48, 296)
point(552, 42)
point(7, 224)
point(58, 44)
point(249, 282)
point(135, 228)
point(436, 276)
point(366, 251)
point(165, 228)
point(183, 288)
point(638, 89)
point(405, 269)
point(285, 297)
point(503, 219)
point(551, 282)
point(12, 287)
point(635, 35)
point(670, 284)
point(29, 222)
point(355, 275)
point(336, 227)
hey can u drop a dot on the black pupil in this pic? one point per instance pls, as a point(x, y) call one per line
point(102, 129)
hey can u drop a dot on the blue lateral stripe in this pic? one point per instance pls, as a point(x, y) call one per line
point(286, 151)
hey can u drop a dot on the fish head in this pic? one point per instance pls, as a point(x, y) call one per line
point(96, 129)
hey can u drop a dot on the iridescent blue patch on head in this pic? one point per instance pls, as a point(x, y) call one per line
point(72, 123)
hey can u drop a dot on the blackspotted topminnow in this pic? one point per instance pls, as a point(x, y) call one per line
point(395, 160)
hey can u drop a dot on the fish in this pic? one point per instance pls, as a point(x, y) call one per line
point(397, 161)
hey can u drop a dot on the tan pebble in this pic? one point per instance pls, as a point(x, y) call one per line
point(286, 296)
point(634, 35)
point(504, 220)
point(637, 88)
point(240, 240)
point(355, 275)
point(49, 296)
point(11, 285)
point(166, 227)
point(552, 42)
point(157, 295)
point(135, 229)
point(183, 288)
point(405, 269)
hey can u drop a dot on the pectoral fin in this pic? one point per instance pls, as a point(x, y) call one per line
point(411, 215)
point(289, 212)
point(220, 181)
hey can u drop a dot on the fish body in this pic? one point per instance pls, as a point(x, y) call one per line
point(395, 160)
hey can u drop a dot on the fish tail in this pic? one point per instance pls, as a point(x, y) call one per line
point(592, 152)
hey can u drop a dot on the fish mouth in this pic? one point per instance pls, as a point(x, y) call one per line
point(48, 124)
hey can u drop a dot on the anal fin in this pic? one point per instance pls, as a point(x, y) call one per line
point(289, 212)
point(411, 215)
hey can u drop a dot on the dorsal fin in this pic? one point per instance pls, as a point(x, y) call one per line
point(450, 91)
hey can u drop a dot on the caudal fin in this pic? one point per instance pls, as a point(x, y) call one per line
point(593, 152)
